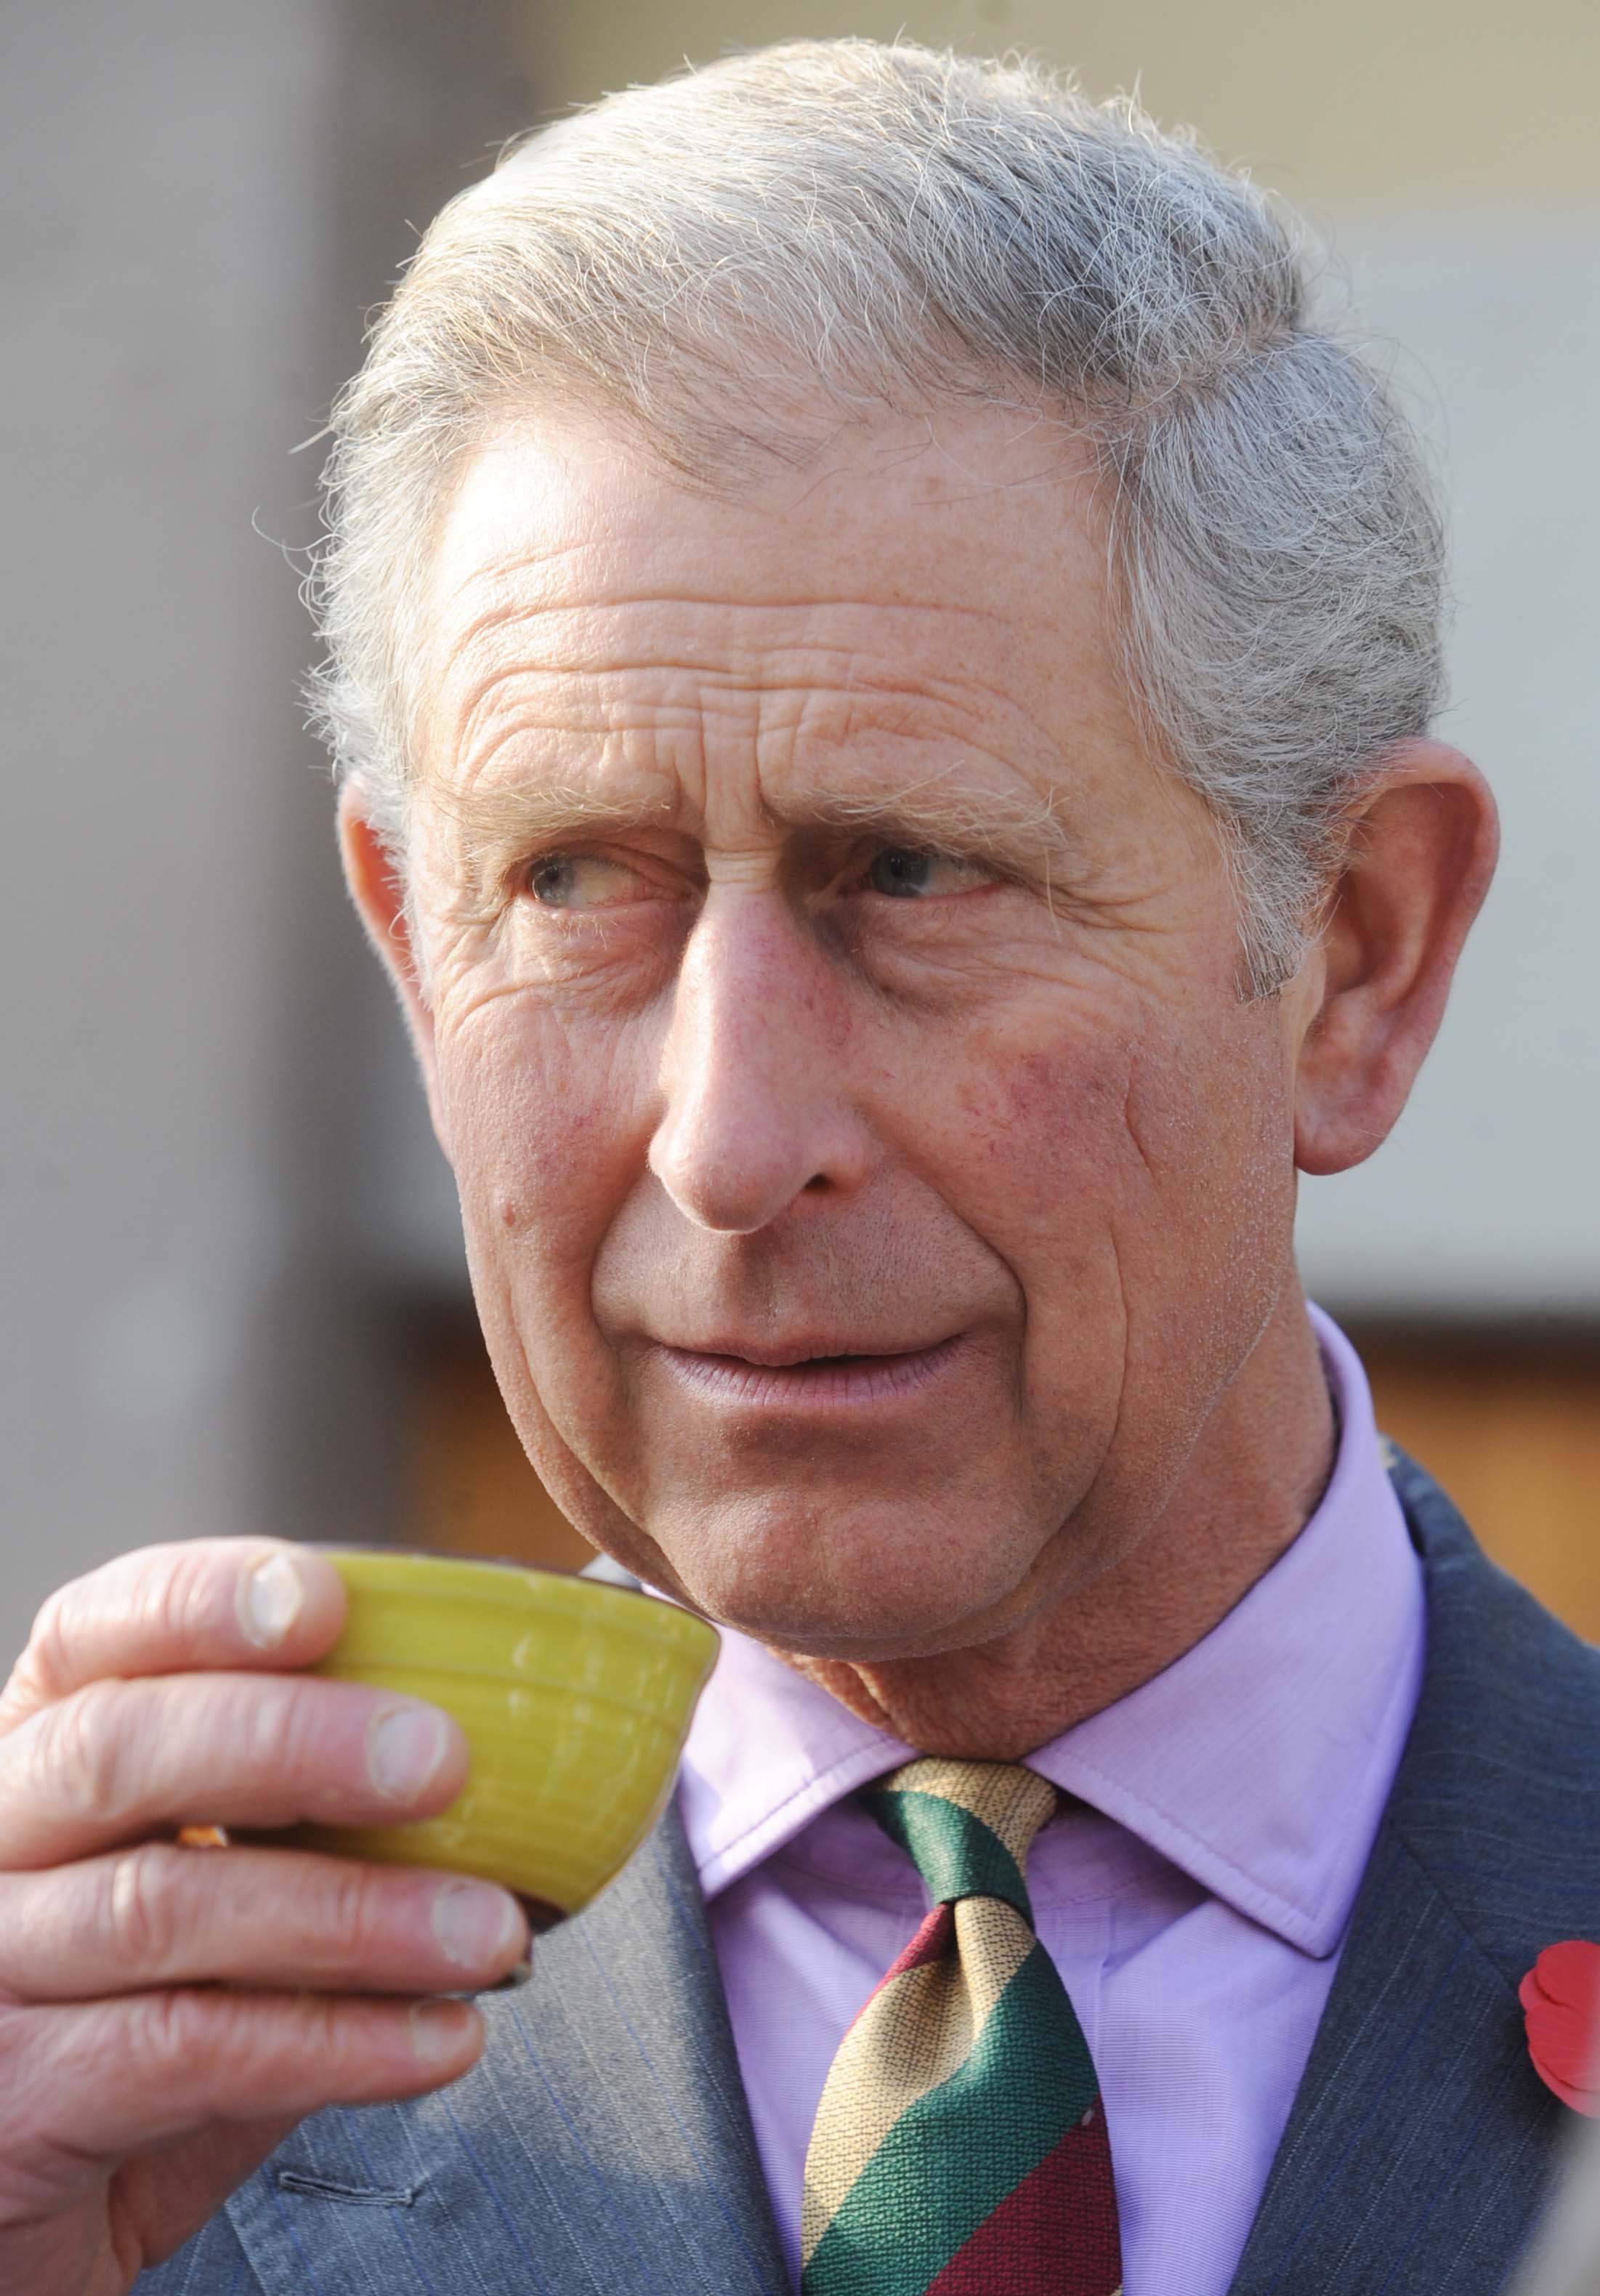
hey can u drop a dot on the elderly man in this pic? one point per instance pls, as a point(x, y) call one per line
point(882, 670)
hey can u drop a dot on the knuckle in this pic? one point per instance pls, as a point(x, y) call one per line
point(274, 1727)
point(195, 2038)
point(190, 2032)
point(143, 1903)
point(86, 1756)
point(45, 1669)
point(304, 1741)
point(357, 1916)
point(320, 2025)
point(176, 1595)
point(161, 2029)
point(45, 1661)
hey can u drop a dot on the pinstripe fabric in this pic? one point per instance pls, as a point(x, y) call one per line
point(601, 2148)
point(604, 2144)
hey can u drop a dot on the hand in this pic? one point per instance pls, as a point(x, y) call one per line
point(167, 2014)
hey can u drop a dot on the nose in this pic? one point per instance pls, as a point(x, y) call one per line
point(754, 1072)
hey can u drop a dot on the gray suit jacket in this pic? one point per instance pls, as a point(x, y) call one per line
point(602, 2146)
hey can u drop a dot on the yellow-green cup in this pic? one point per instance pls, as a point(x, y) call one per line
point(575, 1698)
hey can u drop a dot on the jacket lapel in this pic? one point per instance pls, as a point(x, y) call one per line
point(602, 2146)
point(1419, 2145)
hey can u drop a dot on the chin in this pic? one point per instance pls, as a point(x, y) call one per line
point(874, 1584)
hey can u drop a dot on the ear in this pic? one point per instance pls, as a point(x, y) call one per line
point(1423, 843)
point(376, 887)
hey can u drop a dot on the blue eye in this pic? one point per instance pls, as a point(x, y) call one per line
point(585, 880)
point(552, 883)
point(920, 872)
point(901, 872)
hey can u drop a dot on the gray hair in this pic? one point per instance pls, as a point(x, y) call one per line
point(736, 261)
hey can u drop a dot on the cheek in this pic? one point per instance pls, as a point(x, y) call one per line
point(1035, 1143)
point(1119, 1167)
point(543, 1139)
point(1069, 1108)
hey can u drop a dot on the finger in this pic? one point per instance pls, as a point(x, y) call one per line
point(195, 1605)
point(155, 1916)
point(119, 1761)
point(109, 2077)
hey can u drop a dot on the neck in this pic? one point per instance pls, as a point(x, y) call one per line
point(1251, 1483)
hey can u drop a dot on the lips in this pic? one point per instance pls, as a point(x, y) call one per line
point(774, 1355)
point(788, 1378)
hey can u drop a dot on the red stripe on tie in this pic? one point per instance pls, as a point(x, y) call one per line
point(930, 1943)
point(1054, 2233)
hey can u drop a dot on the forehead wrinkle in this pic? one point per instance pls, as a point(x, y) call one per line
point(792, 728)
point(493, 574)
point(814, 673)
point(497, 572)
point(522, 613)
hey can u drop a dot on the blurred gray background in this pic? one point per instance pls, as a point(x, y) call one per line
point(232, 1291)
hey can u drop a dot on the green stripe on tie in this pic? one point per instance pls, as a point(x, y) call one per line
point(957, 1855)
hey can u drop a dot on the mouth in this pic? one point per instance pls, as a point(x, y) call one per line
point(810, 1378)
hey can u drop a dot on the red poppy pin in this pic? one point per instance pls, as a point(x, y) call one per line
point(1561, 1999)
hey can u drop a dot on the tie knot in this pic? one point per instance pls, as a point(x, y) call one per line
point(967, 1826)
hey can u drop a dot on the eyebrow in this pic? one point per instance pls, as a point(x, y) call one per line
point(501, 828)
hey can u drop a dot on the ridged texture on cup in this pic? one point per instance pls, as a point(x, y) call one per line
point(575, 1698)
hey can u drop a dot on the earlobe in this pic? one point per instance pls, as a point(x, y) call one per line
point(377, 887)
point(1419, 858)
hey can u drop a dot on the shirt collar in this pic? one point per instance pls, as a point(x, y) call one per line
point(1258, 1762)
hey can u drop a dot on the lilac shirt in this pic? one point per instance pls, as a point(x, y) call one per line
point(1194, 1895)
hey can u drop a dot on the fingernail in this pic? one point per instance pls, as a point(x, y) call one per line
point(404, 1747)
point(438, 2028)
point(475, 1923)
point(271, 1599)
point(519, 1974)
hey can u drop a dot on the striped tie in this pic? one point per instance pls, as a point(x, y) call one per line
point(960, 2147)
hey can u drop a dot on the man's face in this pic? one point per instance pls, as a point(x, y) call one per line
point(873, 1179)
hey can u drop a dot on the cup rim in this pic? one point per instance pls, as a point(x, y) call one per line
point(496, 1563)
